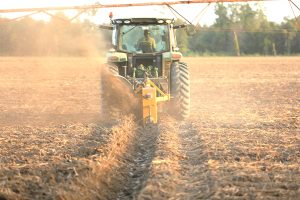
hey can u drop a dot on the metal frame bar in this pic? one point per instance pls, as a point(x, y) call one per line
point(171, 8)
point(198, 16)
point(21, 17)
point(164, 97)
point(294, 4)
point(54, 16)
point(86, 7)
point(297, 22)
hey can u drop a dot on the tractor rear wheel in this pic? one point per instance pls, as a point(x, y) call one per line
point(180, 90)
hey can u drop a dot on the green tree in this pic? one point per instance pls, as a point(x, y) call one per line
point(290, 34)
point(182, 37)
point(223, 40)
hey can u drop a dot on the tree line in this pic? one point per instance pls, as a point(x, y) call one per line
point(240, 29)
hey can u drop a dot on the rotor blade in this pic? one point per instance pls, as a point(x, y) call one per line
point(119, 5)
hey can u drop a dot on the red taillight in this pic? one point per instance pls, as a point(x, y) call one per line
point(110, 15)
point(176, 56)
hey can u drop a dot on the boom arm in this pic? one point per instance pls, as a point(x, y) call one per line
point(86, 7)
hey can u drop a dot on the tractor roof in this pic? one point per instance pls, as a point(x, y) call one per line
point(147, 20)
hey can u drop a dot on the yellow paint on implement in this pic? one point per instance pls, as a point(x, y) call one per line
point(149, 105)
point(150, 100)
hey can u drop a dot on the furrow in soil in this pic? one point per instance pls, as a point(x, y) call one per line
point(196, 178)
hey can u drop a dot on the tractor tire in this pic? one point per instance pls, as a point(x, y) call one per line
point(180, 90)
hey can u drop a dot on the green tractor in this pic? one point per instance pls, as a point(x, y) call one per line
point(145, 56)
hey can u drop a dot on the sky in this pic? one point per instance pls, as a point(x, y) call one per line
point(275, 10)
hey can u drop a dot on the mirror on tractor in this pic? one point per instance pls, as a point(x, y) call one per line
point(190, 29)
point(180, 26)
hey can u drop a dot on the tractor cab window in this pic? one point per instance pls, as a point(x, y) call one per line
point(143, 38)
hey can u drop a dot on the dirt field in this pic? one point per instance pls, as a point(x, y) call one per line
point(241, 142)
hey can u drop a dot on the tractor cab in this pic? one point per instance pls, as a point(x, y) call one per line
point(143, 47)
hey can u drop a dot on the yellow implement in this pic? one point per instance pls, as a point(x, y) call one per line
point(151, 95)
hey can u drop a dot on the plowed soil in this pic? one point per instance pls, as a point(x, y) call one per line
point(242, 140)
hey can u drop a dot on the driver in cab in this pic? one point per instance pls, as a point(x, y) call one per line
point(147, 43)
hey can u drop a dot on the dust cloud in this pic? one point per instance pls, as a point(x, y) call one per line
point(58, 37)
point(50, 71)
point(118, 98)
